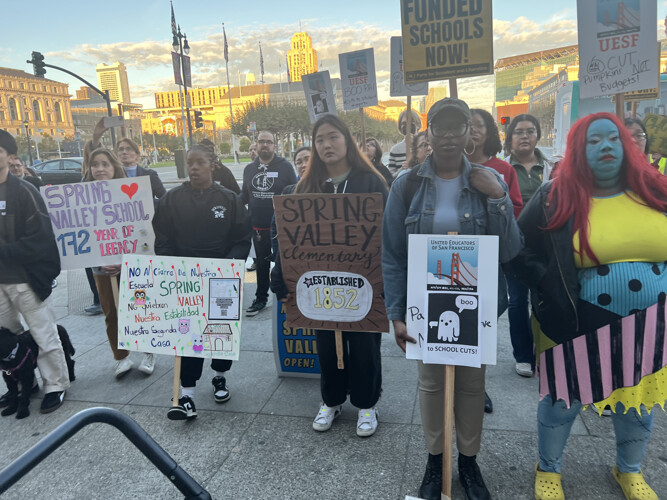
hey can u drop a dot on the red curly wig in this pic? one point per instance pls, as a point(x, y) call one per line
point(572, 187)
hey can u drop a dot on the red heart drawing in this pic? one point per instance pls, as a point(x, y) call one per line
point(130, 190)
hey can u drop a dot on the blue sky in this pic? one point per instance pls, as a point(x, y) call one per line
point(79, 34)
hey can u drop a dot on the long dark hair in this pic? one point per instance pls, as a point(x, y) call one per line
point(377, 157)
point(316, 175)
point(510, 130)
point(118, 170)
point(492, 145)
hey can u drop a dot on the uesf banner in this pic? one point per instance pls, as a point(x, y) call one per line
point(96, 222)
point(357, 76)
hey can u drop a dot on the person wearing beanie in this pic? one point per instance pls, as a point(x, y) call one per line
point(29, 262)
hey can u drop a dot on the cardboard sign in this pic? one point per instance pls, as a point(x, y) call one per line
point(330, 251)
point(96, 222)
point(452, 303)
point(397, 86)
point(357, 76)
point(181, 306)
point(446, 39)
point(295, 349)
point(617, 48)
point(320, 96)
point(656, 127)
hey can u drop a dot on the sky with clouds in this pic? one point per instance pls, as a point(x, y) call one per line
point(78, 34)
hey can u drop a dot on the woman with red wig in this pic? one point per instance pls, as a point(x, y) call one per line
point(596, 264)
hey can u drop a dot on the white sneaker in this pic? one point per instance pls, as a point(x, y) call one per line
point(325, 417)
point(123, 366)
point(147, 364)
point(524, 369)
point(367, 422)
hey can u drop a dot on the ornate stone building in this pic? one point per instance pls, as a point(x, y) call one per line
point(44, 104)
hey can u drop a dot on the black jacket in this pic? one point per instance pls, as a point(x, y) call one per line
point(156, 184)
point(202, 223)
point(359, 181)
point(260, 184)
point(547, 266)
point(33, 245)
point(225, 177)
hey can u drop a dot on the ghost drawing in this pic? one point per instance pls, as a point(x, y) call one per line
point(448, 326)
point(184, 325)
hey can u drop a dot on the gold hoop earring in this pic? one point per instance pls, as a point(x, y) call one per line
point(473, 149)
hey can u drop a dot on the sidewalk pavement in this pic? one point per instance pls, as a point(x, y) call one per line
point(261, 444)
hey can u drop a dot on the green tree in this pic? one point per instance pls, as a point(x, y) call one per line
point(48, 146)
point(225, 148)
point(244, 145)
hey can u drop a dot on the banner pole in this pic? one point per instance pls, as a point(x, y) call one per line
point(363, 130)
point(620, 105)
point(339, 349)
point(177, 380)
point(408, 132)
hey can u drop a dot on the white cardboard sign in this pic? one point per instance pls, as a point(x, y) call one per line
point(397, 85)
point(617, 40)
point(357, 76)
point(452, 303)
point(183, 306)
point(320, 96)
point(96, 222)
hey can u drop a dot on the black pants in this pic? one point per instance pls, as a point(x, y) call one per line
point(93, 286)
point(362, 376)
point(262, 240)
point(191, 369)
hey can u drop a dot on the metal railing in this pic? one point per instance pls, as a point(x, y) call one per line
point(133, 431)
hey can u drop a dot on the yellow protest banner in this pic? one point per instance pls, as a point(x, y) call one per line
point(656, 126)
point(446, 39)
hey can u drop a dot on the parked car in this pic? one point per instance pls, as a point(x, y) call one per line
point(60, 171)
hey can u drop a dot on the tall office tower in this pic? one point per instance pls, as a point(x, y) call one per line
point(113, 77)
point(302, 57)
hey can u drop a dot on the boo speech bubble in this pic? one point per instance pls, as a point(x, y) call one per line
point(466, 302)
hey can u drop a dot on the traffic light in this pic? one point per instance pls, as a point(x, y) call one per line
point(505, 120)
point(37, 62)
point(199, 121)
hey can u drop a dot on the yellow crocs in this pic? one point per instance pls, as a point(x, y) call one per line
point(634, 486)
point(547, 485)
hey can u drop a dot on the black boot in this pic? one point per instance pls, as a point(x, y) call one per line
point(488, 404)
point(431, 486)
point(471, 479)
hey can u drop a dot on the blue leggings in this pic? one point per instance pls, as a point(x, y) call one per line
point(554, 422)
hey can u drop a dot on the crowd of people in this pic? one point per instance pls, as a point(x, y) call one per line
point(581, 248)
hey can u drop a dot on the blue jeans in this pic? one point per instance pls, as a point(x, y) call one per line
point(554, 422)
point(521, 332)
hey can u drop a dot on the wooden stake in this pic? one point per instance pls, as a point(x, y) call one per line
point(453, 88)
point(177, 380)
point(339, 349)
point(620, 105)
point(408, 133)
point(363, 130)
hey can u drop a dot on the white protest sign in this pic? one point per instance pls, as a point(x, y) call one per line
point(617, 41)
point(357, 76)
point(320, 96)
point(452, 303)
point(183, 306)
point(397, 85)
point(96, 222)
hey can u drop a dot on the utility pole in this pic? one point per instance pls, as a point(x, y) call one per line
point(182, 48)
point(27, 134)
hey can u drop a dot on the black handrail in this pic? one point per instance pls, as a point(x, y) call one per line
point(133, 431)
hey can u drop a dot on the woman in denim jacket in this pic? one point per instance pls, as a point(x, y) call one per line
point(445, 193)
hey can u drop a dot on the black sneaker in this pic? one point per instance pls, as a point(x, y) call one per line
point(471, 479)
point(488, 404)
point(256, 306)
point(52, 401)
point(431, 487)
point(220, 391)
point(184, 411)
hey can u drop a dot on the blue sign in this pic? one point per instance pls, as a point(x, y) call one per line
point(295, 348)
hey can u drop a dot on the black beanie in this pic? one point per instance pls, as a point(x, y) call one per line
point(7, 142)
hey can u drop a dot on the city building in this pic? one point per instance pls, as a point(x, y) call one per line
point(44, 104)
point(302, 57)
point(113, 77)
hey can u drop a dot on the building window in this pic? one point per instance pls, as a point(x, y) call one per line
point(36, 111)
point(12, 110)
point(59, 113)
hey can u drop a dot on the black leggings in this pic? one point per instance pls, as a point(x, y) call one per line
point(191, 369)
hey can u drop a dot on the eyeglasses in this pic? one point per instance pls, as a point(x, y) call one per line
point(264, 143)
point(423, 145)
point(529, 132)
point(639, 137)
point(457, 130)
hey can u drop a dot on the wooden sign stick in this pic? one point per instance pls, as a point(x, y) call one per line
point(408, 133)
point(339, 349)
point(363, 130)
point(620, 105)
point(177, 380)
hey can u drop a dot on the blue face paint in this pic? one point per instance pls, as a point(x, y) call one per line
point(604, 152)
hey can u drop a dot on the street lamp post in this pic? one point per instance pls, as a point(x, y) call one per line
point(181, 47)
point(27, 134)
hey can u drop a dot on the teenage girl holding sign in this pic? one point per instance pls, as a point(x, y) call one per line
point(337, 165)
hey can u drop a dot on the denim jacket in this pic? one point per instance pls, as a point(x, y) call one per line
point(478, 214)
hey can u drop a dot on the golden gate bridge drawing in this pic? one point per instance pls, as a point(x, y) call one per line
point(625, 18)
point(460, 274)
